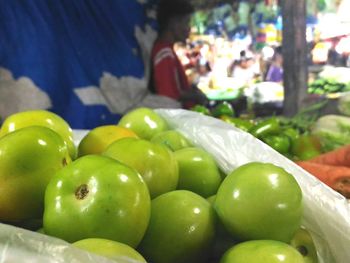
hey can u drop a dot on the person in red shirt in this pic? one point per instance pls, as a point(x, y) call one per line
point(168, 77)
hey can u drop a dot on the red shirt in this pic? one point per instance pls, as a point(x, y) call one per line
point(169, 78)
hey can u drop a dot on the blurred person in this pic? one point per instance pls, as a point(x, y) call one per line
point(245, 68)
point(275, 71)
point(168, 77)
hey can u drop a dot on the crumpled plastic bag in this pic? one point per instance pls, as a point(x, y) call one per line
point(20, 245)
point(326, 212)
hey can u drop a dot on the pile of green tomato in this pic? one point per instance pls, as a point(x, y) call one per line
point(290, 141)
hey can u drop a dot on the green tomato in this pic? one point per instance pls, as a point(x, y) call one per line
point(266, 127)
point(98, 139)
point(96, 196)
point(174, 140)
point(41, 118)
point(29, 158)
point(258, 251)
point(303, 242)
point(291, 133)
point(223, 240)
point(110, 249)
point(223, 109)
point(239, 123)
point(181, 229)
point(198, 171)
point(145, 122)
point(280, 143)
point(155, 162)
point(260, 201)
point(201, 109)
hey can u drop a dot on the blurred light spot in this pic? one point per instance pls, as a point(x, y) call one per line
point(93, 184)
point(236, 194)
point(11, 127)
point(41, 142)
point(49, 121)
point(282, 206)
point(124, 178)
point(192, 228)
point(151, 123)
point(281, 257)
point(273, 178)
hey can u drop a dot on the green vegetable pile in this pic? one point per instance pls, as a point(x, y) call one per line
point(294, 137)
point(331, 80)
point(326, 86)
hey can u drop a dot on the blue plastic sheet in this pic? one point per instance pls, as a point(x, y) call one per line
point(64, 47)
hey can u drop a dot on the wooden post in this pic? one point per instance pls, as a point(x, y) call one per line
point(294, 48)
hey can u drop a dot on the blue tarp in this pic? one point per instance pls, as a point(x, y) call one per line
point(64, 45)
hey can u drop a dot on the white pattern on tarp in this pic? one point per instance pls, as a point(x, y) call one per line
point(20, 95)
point(90, 95)
point(122, 94)
point(126, 93)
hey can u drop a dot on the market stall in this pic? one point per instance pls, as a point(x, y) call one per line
point(233, 180)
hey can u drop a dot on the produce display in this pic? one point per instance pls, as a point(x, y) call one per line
point(154, 162)
point(327, 86)
point(255, 252)
point(304, 138)
point(92, 192)
point(291, 137)
point(332, 130)
point(331, 80)
point(41, 118)
point(149, 194)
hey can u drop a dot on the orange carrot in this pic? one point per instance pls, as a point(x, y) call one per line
point(337, 157)
point(336, 177)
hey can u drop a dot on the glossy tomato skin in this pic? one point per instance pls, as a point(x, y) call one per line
point(29, 158)
point(97, 197)
point(242, 124)
point(260, 201)
point(154, 162)
point(280, 143)
point(99, 138)
point(181, 229)
point(198, 171)
point(174, 140)
point(303, 242)
point(259, 251)
point(266, 127)
point(145, 122)
point(223, 109)
point(201, 109)
point(44, 118)
point(109, 248)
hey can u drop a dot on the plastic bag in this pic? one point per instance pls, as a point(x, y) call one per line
point(20, 245)
point(326, 212)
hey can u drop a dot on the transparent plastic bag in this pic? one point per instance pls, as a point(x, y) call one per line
point(326, 212)
point(20, 245)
